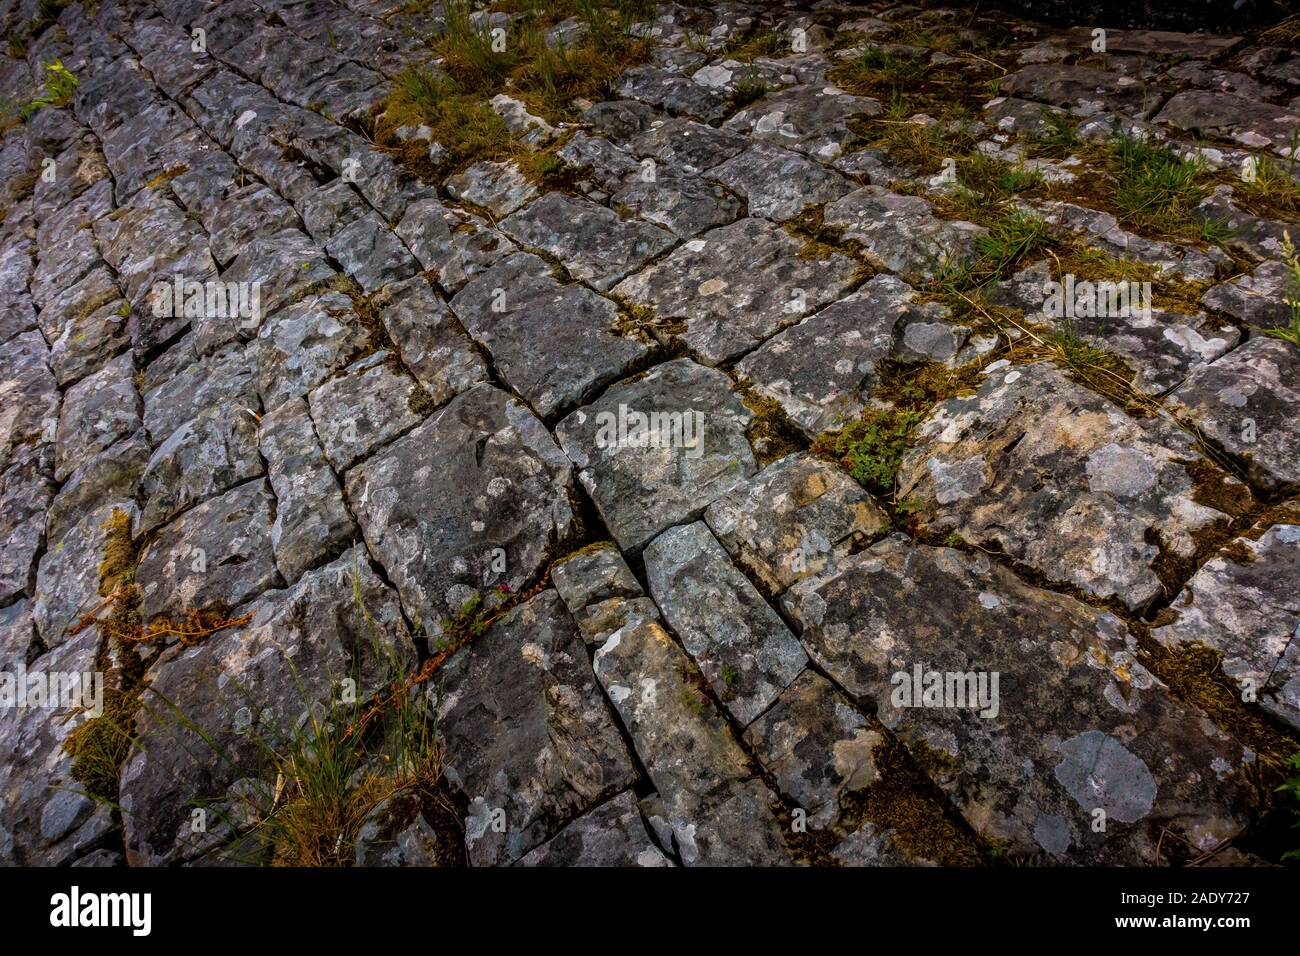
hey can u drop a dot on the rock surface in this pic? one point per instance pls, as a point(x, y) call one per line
point(646, 475)
point(742, 647)
point(1240, 603)
point(212, 710)
point(529, 737)
point(1074, 725)
point(1061, 480)
point(546, 407)
point(473, 499)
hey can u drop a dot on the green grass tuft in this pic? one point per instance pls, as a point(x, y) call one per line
point(1290, 333)
point(1157, 191)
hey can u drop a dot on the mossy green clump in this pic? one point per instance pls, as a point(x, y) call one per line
point(463, 124)
point(167, 175)
point(873, 67)
point(1016, 236)
point(549, 170)
point(471, 621)
point(477, 63)
point(1059, 139)
point(1272, 192)
point(94, 304)
point(420, 402)
point(1013, 237)
point(871, 448)
point(117, 567)
point(100, 745)
point(995, 179)
point(60, 84)
point(547, 76)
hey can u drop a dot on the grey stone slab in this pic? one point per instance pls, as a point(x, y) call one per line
point(553, 343)
point(595, 245)
point(742, 647)
point(215, 556)
point(1077, 726)
point(737, 285)
point(1062, 480)
point(645, 479)
point(472, 500)
point(795, 518)
point(527, 731)
point(213, 711)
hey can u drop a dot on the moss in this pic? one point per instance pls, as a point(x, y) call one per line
point(21, 186)
point(1212, 486)
point(547, 78)
point(766, 42)
point(872, 447)
point(905, 801)
point(117, 567)
point(1168, 292)
point(1274, 193)
point(166, 176)
point(1194, 674)
point(592, 548)
point(995, 179)
point(100, 745)
point(420, 402)
point(641, 322)
point(1286, 33)
point(94, 304)
point(770, 431)
point(921, 386)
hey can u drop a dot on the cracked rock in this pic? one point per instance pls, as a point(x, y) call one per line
point(1073, 726)
point(1061, 480)
point(901, 233)
point(742, 647)
point(311, 521)
point(527, 731)
point(552, 343)
point(595, 245)
point(1245, 402)
point(473, 499)
point(613, 834)
point(735, 286)
point(213, 710)
point(215, 556)
point(1243, 603)
point(795, 518)
point(821, 370)
point(644, 478)
point(713, 807)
